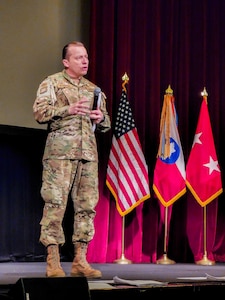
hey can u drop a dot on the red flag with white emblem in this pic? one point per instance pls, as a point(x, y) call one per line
point(203, 175)
point(169, 174)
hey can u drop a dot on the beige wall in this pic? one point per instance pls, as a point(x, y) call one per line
point(33, 33)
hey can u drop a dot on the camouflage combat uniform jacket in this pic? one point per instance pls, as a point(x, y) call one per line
point(69, 136)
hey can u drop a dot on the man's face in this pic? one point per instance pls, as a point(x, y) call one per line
point(76, 62)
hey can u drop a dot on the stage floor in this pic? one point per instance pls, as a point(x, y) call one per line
point(10, 272)
point(136, 275)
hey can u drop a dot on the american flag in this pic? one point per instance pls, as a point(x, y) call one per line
point(127, 171)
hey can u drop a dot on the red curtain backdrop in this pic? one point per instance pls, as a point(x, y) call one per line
point(159, 43)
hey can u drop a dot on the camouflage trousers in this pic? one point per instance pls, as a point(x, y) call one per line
point(60, 179)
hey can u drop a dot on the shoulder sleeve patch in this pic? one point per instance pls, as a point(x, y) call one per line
point(43, 89)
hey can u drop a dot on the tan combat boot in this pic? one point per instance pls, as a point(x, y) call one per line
point(80, 266)
point(54, 268)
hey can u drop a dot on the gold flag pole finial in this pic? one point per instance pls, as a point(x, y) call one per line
point(204, 93)
point(169, 90)
point(125, 79)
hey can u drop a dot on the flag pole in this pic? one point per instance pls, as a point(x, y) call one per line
point(205, 261)
point(123, 259)
point(165, 260)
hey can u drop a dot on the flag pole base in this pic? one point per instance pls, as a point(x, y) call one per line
point(205, 261)
point(165, 260)
point(122, 260)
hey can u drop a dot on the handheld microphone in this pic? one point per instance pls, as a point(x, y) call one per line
point(97, 98)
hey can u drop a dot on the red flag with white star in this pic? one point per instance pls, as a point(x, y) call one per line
point(203, 175)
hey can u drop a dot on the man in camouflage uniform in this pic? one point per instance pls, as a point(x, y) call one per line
point(70, 162)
